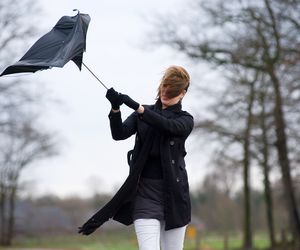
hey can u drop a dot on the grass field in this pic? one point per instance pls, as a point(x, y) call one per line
point(125, 240)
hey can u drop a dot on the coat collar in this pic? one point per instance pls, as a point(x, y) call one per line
point(176, 107)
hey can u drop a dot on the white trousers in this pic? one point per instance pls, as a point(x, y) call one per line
point(151, 234)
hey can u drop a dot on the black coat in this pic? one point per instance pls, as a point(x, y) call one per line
point(174, 126)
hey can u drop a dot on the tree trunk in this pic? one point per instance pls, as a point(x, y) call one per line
point(247, 205)
point(2, 213)
point(247, 193)
point(281, 145)
point(226, 247)
point(11, 215)
point(266, 171)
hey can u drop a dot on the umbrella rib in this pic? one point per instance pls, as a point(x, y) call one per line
point(94, 75)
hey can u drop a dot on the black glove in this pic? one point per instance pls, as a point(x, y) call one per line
point(91, 225)
point(88, 228)
point(129, 102)
point(114, 98)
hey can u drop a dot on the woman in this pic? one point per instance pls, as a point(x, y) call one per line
point(155, 195)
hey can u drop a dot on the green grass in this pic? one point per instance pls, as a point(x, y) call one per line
point(126, 240)
point(108, 240)
point(216, 241)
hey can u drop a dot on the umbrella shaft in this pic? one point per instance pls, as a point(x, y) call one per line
point(94, 75)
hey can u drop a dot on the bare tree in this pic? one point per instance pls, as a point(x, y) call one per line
point(261, 36)
point(263, 150)
point(14, 33)
point(22, 144)
point(23, 140)
point(239, 106)
point(18, 26)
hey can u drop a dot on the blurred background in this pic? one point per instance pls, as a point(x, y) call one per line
point(59, 164)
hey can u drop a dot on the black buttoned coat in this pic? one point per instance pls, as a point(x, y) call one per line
point(174, 126)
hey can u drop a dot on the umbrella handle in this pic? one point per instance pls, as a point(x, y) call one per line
point(94, 75)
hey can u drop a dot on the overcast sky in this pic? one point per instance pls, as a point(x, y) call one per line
point(90, 160)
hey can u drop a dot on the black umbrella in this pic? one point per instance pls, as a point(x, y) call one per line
point(65, 42)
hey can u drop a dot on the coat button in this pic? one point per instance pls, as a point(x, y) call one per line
point(177, 179)
point(172, 143)
point(173, 161)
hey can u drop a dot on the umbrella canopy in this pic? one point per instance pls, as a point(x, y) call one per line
point(65, 42)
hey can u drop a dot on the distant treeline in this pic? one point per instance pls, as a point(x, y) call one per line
point(214, 210)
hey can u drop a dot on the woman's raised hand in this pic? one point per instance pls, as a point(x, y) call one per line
point(129, 102)
point(114, 98)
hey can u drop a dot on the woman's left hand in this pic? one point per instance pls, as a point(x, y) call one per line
point(140, 110)
point(132, 104)
point(129, 102)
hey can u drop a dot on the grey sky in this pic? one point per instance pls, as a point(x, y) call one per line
point(90, 159)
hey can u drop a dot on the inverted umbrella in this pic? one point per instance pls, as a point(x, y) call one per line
point(65, 42)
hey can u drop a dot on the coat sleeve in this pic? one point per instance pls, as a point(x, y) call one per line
point(122, 130)
point(181, 126)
